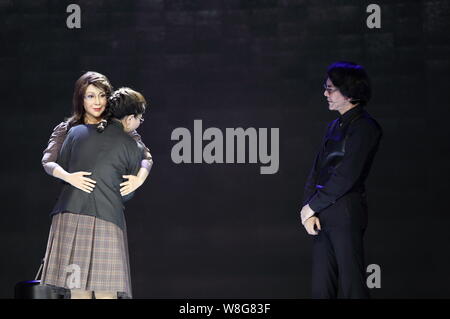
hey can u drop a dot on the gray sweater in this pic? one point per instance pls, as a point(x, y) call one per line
point(108, 155)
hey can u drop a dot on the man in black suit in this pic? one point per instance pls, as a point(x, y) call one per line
point(334, 202)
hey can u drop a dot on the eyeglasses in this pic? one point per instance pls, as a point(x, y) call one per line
point(91, 96)
point(141, 119)
point(329, 89)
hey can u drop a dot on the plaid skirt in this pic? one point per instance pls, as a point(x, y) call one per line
point(87, 253)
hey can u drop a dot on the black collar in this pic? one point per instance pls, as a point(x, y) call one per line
point(348, 116)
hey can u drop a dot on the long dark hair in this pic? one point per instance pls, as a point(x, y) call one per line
point(99, 81)
point(123, 102)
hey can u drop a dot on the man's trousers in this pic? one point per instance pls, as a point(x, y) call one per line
point(338, 250)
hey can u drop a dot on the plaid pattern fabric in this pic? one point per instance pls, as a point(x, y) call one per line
point(88, 248)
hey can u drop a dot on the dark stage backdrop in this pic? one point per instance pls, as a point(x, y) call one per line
point(225, 230)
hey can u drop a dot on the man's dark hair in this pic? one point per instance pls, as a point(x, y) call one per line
point(126, 101)
point(352, 80)
point(121, 103)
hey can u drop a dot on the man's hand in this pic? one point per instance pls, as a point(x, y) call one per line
point(310, 223)
point(309, 220)
point(133, 183)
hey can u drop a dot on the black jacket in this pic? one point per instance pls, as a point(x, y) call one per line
point(344, 160)
point(108, 155)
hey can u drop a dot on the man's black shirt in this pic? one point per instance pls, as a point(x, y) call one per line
point(336, 172)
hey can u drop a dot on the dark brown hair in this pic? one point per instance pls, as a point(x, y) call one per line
point(99, 81)
point(123, 102)
point(126, 101)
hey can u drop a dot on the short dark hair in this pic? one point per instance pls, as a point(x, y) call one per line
point(121, 103)
point(126, 101)
point(352, 80)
